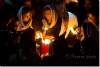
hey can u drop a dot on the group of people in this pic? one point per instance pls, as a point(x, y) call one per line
point(55, 23)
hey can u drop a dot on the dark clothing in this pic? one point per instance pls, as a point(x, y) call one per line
point(21, 45)
point(60, 46)
point(28, 45)
point(37, 25)
point(91, 34)
point(91, 41)
point(55, 30)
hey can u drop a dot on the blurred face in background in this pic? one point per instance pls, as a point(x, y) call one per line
point(87, 4)
point(67, 1)
point(60, 9)
point(28, 3)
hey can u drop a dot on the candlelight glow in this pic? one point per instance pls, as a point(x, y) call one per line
point(46, 41)
point(45, 28)
point(38, 35)
point(73, 31)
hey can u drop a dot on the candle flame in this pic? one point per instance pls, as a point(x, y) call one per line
point(46, 41)
point(45, 28)
point(38, 35)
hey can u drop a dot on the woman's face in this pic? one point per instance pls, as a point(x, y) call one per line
point(27, 16)
point(48, 14)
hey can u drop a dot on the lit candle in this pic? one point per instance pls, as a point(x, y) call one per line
point(38, 35)
point(46, 41)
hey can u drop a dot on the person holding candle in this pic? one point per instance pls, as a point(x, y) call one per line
point(57, 22)
point(50, 27)
point(69, 24)
point(49, 20)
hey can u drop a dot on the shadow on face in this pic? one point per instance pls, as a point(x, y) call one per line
point(47, 14)
point(27, 16)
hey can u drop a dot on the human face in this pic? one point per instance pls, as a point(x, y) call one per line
point(48, 15)
point(87, 4)
point(91, 18)
point(27, 16)
point(61, 9)
point(28, 3)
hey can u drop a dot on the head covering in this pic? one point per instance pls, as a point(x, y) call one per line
point(20, 21)
point(54, 18)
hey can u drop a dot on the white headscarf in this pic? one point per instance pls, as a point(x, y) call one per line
point(20, 21)
point(54, 18)
point(72, 23)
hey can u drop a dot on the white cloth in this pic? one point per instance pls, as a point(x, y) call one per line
point(71, 23)
point(53, 19)
point(65, 25)
point(21, 25)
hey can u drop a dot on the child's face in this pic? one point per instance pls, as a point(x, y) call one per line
point(27, 16)
point(47, 14)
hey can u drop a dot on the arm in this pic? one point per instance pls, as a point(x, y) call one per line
point(72, 23)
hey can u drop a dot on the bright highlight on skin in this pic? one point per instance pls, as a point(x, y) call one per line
point(45, 28)
point(73, 31)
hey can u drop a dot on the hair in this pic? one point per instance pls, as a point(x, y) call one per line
point(47, 7)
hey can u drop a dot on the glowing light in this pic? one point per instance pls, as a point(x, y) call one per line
point(45, 28)
point(73, 31)
point(46, 41)
point(38, 35)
